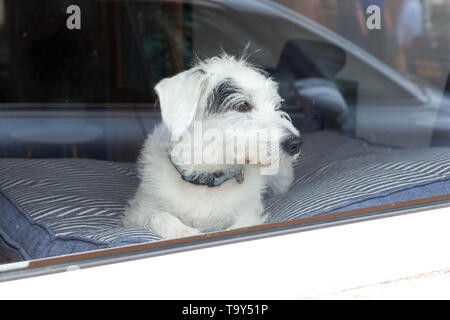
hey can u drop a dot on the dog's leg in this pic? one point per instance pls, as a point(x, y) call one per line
point(169, 226)
point(281, 182)
point(142, 213)
point(248, 222)
point(253, 216)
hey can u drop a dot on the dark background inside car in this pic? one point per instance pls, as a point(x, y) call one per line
point(88, 93)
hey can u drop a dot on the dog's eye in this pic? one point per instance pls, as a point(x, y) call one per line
point(244, 107)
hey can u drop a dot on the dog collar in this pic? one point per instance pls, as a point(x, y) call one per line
point(214, 179)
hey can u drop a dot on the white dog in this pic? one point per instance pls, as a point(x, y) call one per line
point(178, 198)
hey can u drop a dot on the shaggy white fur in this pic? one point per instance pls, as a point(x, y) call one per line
point(228, 95)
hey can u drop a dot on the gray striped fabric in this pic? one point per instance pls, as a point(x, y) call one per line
point(83, 200)
point(336, 171)
point(74, 197)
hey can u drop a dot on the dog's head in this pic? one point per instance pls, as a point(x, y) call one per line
point(232, 109)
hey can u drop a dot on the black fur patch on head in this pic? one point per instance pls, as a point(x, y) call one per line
point(228, 95)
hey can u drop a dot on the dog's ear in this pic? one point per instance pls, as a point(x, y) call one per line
point(180, 97)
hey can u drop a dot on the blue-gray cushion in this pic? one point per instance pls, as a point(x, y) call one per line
point(52, 207)
point(337, 173)
point(58, 206)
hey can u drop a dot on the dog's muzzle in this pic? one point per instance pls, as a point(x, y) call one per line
point(292, 145)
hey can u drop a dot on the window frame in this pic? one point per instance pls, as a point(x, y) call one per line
point(38, 267)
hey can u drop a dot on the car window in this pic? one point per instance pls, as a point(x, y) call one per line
point(95, 98)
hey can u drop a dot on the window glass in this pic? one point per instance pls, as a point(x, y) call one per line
point(365, 83)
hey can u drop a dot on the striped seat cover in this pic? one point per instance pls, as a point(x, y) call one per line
point(51, 207)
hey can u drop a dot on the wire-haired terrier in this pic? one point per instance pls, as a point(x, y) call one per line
point(222, 142)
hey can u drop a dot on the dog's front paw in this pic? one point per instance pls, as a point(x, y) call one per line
point(182, 232)
point(249, 221)
point(169, 227)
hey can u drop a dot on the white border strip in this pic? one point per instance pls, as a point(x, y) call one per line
point(299, 265)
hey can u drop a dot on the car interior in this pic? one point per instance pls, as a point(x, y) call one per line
point(76, 107)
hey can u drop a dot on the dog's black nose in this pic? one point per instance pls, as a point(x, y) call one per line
point(292, 145)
